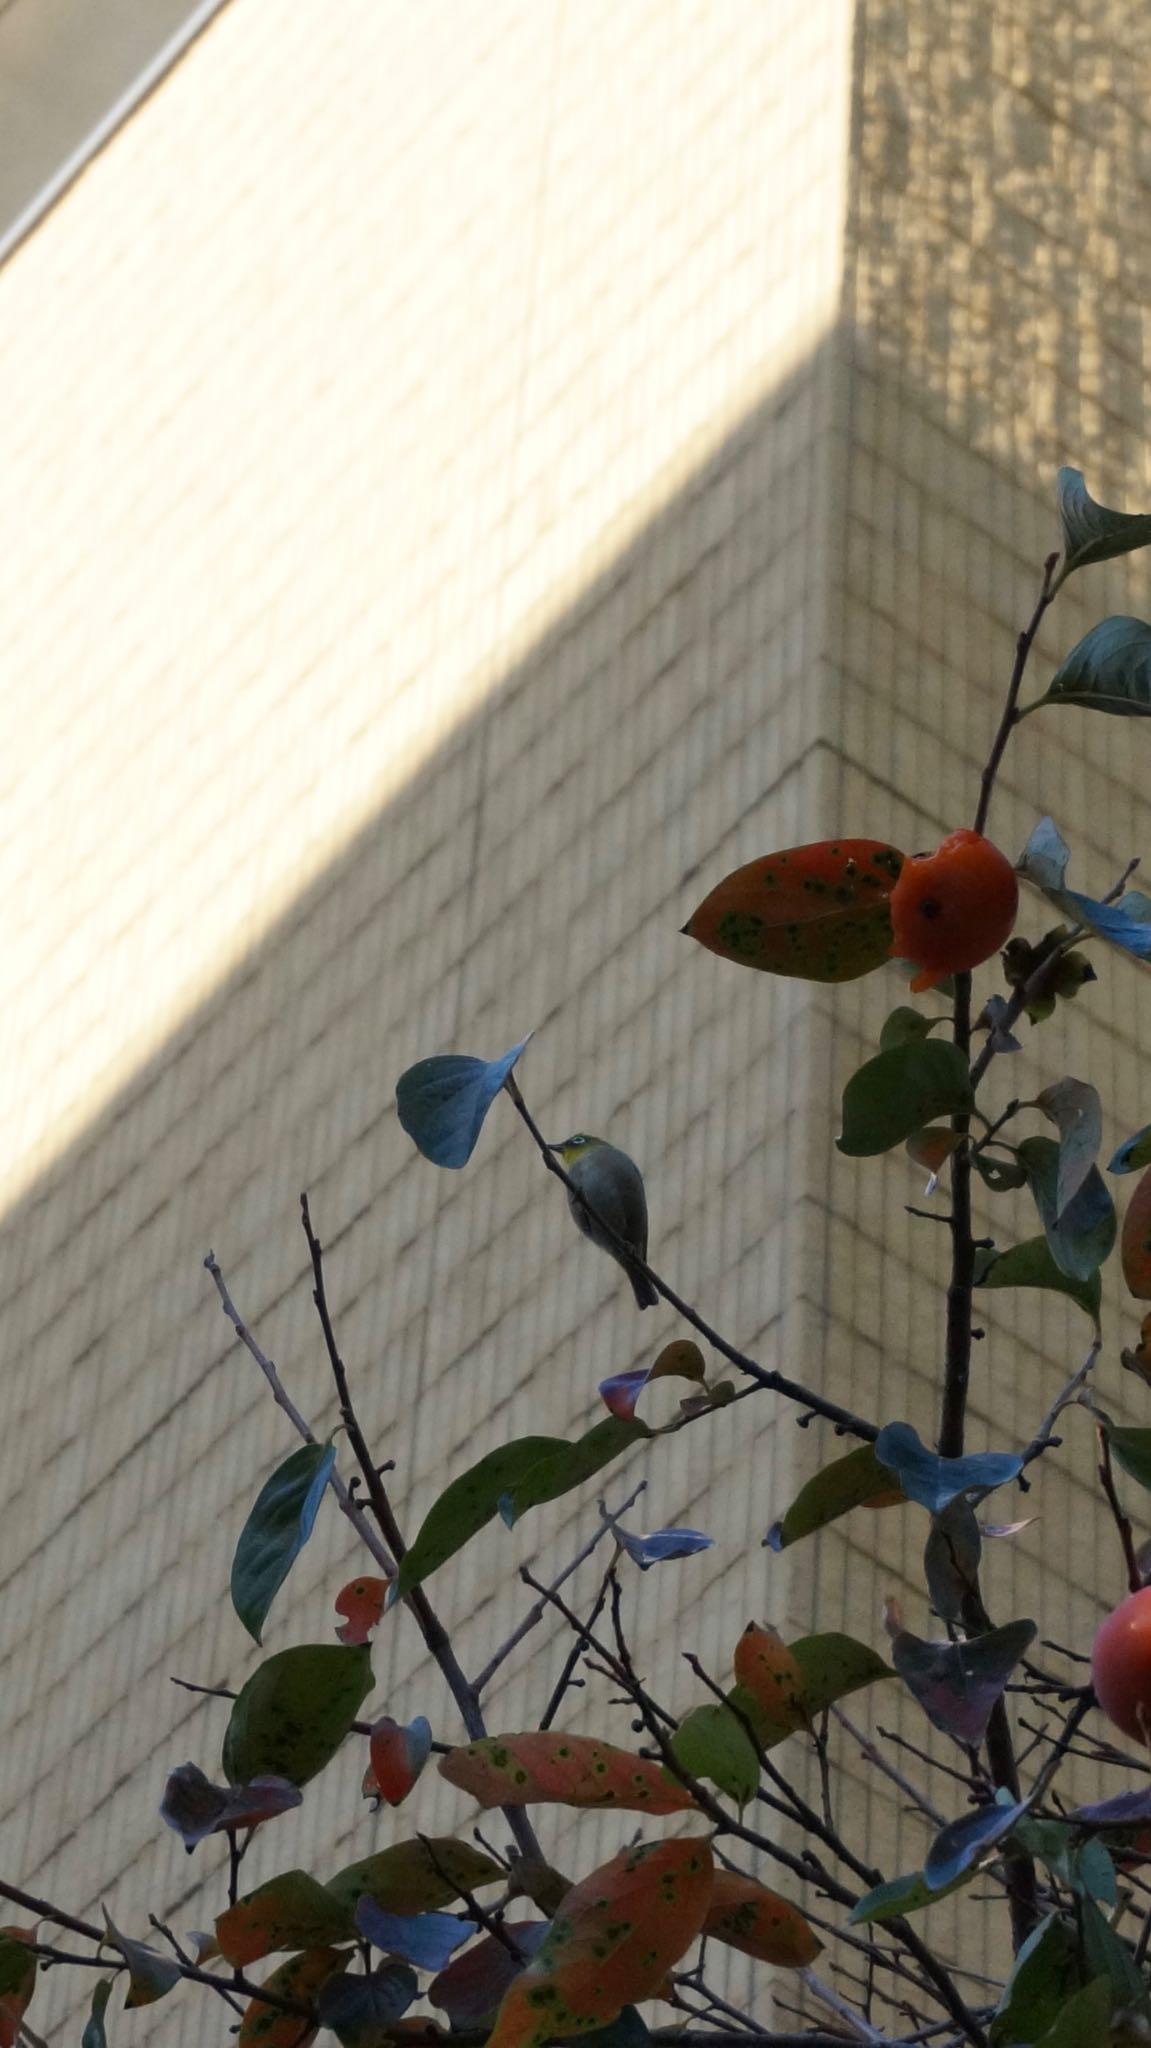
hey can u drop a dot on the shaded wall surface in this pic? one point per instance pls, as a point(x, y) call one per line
point(416, 602)
point(468, 521)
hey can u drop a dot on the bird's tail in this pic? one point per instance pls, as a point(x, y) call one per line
point(641, 1287)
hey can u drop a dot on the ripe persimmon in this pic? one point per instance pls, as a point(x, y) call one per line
point(1121, 1665)
point(953, 908)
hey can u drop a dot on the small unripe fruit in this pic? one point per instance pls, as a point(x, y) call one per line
point(1121, 1665)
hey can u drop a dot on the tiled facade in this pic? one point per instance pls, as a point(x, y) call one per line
point(480, 474)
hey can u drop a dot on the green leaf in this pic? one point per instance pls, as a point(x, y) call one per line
point(1083, 2021)
point(16, 1963)
point(1084, 1866)
point(1108, 670)
point(711, 1743)
point(934, 1481)
point(1082, 1237)
point(1106, 1956)
point(951, 1559)
point(900, 1895)
point(1046, 1975)
point(1092, 532)
point(1132, 1450)
point(906, 1026)
point(415, 1876)
point(94, 2035)
point(1031, 1265)
point(291, 1911)
point(468, 1504)
point(834, 1665)
point(844, 1484)
point(998, 1174)
point(899, 1091)
point(1133, 1154)
point(567, 1466)
point(442, 1102)
point(276, 1531)
point(295, 1710)
point(1074, 1107)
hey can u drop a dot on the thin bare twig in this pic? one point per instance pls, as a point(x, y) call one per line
point(535, 1613)
point(875, 1756)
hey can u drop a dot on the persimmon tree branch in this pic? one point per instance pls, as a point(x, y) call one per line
point(386, 1547)
point(846, 1423)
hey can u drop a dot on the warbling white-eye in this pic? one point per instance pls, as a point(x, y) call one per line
point(612, 1185)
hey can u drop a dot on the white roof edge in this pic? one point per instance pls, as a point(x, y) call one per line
point(153, 73)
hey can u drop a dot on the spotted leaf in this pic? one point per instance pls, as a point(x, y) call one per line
point(747, 1916)
point(612, 1943)
point(568, 1770)
point(770, 1673)
point(818, 911)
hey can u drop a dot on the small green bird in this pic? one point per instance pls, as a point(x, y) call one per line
point(612, 1185)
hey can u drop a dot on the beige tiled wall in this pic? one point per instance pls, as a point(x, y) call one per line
point(412, 603)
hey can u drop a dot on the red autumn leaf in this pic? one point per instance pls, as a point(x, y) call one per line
point(398, 1754)
point(569, 1770)
point(300, 1977)
point(820, 911)
point(361, 1602)
point(612, 1943)
point(747, 1916)
point(766, 1667)
point(14, 2003)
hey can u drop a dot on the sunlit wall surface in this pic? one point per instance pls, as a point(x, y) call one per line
point(481, 473)
point(413, 599)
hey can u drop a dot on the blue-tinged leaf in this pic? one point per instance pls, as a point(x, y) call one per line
point(957, 1684)
point(1133, 1154)
point(276, 1531)
point(1074, 1107)
point(1108, 670)
point(934, 1481)
point(1084, 1235)
point(424, 1939)
point(966, 1840)
point(662, 1545)
point(442, 1101)
point(360, 2011)
point(1044, 859)
point(1093, 532)
point(94, 2035)
point(1126, 925)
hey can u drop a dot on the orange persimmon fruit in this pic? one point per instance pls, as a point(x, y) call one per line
point(952, 908)
point(1121, 1665)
